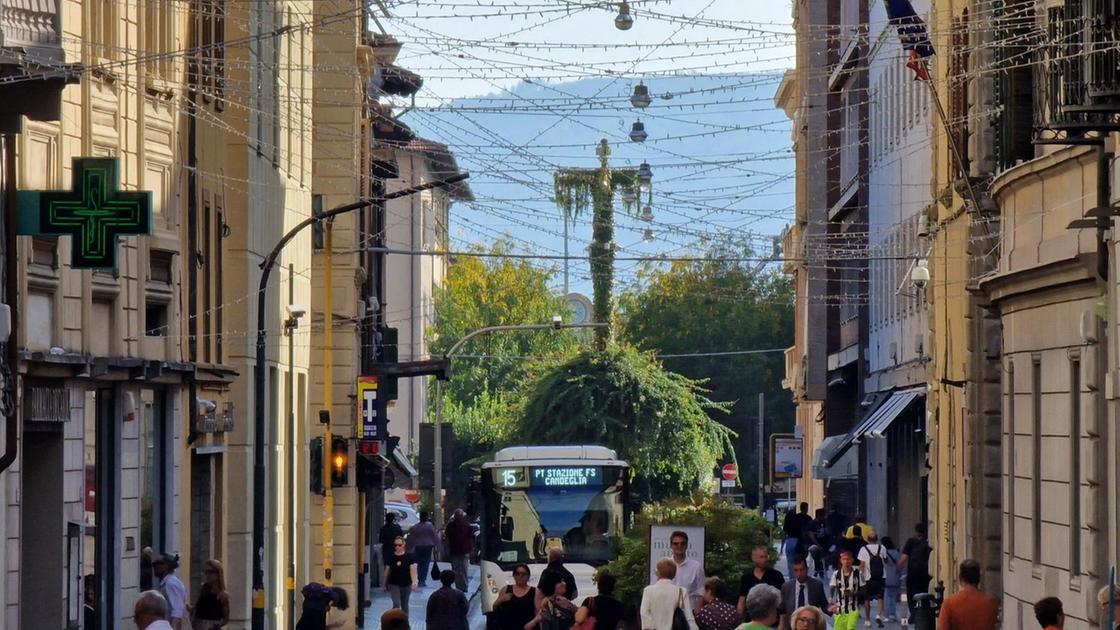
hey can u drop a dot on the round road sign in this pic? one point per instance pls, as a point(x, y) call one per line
point(412, 496)
point(730, 471)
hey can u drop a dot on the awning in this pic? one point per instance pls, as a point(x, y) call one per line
point(844, 466)
point(399, 461)
point(875, 423)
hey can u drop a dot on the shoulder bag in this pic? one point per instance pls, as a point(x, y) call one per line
point(680, 620)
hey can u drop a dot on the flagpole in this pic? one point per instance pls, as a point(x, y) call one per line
point(924, 63)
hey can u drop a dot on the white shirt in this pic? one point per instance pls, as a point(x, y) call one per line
point(159, 624)
point(865, 554)
point(172, 589)
point(658, 603)
point(690, 576)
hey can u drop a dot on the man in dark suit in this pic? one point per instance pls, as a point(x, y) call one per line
point(802, 590)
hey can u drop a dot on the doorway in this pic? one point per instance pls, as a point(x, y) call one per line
point(42, 528)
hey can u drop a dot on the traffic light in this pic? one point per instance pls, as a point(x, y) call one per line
point(340, 462)
point(315, 464)
point(387, 352)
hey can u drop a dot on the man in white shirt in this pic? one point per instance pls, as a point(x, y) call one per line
point(873, 561)
point(690, 573)
point(150, 612)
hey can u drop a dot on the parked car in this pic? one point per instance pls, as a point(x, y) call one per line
point(406, 514)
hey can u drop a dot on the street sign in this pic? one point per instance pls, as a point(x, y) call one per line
point(730, 472)
point(786, 459)
point(727, 483)
point(94, 213)
point(412, 496)
point(369, 417)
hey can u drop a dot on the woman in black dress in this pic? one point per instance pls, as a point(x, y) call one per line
point(211, 610)
point(515, 604)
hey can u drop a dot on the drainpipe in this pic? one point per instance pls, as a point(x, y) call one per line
point(11, 296)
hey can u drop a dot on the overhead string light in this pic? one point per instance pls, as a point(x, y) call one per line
point(623, 21)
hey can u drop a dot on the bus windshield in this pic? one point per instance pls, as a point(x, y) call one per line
point(530, 509)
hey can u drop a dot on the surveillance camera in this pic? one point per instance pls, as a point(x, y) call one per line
point(919, 275)
point(296, 310)
point(557, 321)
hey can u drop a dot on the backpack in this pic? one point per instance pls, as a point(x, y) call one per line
point(919, 558)
point(876, 562)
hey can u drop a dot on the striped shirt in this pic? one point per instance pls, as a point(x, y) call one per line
point(845, 589)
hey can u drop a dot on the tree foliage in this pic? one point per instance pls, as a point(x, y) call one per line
point(657, 420)
point(715, 306)
point(730, 534)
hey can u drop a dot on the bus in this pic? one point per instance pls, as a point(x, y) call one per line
point(534, 498)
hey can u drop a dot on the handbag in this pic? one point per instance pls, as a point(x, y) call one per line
point(680, 621)
point(589, 622)
point(435, 571)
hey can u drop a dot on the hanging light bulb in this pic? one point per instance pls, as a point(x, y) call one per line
point(645, 175)
point(638, 132)
point(647, 235)
point(640, 98)
point(623, 21)
point(668, 96)
point(629, 196)
point(647, 213)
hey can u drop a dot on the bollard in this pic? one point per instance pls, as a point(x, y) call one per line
point(924, 616)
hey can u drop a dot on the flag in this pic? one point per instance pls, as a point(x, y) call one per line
point(912, 34)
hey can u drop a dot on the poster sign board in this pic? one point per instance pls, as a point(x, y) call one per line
point(786, 457)
point(368, 420)
point(659, 548)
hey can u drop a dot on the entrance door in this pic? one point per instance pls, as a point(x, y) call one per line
point(202, 513)
point(43, 531)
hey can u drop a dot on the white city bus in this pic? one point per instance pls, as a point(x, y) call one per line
point(535, 498)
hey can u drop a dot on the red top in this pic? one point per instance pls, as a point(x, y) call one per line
point(459, 537)
point(968, 610)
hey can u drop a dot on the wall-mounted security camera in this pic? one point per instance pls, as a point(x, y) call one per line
point(919, 274)
point(296, 310)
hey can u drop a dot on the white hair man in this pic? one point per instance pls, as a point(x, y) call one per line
point(150, 612)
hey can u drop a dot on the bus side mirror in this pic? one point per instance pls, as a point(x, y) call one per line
point(507, 528)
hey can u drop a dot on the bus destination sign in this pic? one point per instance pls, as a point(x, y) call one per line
point(559, 476)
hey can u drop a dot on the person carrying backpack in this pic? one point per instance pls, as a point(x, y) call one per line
point(914, 562)
point(873, 564)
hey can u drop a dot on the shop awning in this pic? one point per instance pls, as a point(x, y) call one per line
point(843, 466)
point(399, 462)
point(874, 424)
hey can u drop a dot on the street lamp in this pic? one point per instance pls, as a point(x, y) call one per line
point(295, 313)
point(260, 367)
point(557, 323)
point(640, 98)
point(623, 21)
point(638, 132)
point(645, 175)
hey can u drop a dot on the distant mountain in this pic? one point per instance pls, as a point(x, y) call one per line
point(718, 148)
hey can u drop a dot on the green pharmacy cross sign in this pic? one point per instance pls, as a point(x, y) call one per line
point(93, 214)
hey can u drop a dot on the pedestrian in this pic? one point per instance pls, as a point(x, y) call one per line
point(873, 561)
point(969, 608)
point(661, 599)
point(760, 574)
point(891, 582)
point(690, 573)
point(715, 612)
point(516, 603)
point(844, 592)
point(394, 619)
point(809, 618)
point(556, 611)
point(762, 603)
point(555, 572)
point(914, 562)
point(389, 533)
point(865, 530)
point(318, 600)
point(460, 543)
point(853, 543)
point(211, 610)
point(1048, 611)
point(421, 542)
point(447, 607)
point(400, 575)
point(604, 608)
point(792, 531)
point(89, 602)
point(800, 591)
point(147, 573)
point(150, 611)
point(1102, 599)
point(799, 527)
point(172, 589)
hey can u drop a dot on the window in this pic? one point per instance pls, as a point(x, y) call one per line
point(159, 37)
point(1014, 83)
point(208, 42)
point(1075, 466)
point(318, 237)
point(1036, 459)
point(158, 293)
point(102, 28)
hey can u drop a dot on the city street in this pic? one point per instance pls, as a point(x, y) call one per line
point(419, 601)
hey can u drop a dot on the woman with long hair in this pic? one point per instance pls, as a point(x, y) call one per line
point(515, 605)
point(211, 609)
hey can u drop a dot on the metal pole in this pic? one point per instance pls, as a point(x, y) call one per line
point(259, 419)
point(437, 441)
point(761, 451)
point(292, 433)
point(566, 260)
point(328, 401)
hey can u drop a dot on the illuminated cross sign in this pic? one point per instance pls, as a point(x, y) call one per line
point(93, 214)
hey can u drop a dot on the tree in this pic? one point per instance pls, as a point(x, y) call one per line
point(496, 291)
point(730, 532)
point(621, 398)
point(717, 306)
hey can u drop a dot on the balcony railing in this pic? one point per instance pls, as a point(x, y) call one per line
point(31, 27)
point(793, 366)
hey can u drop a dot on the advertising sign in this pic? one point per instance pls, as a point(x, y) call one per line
point(786, 457)
point(368, 421)
point(659, 548)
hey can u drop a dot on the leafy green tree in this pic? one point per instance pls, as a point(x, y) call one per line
point(621, 398)
point(717, 306)
point(729, 535)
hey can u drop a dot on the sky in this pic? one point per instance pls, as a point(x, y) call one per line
point(525, 87)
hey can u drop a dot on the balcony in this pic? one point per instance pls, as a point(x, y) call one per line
point(791, 248)
point(211, 419)
point(792, 380)
point(31, 46)
point(1077, 96)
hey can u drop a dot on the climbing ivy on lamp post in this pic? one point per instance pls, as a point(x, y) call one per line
point(578, 190)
